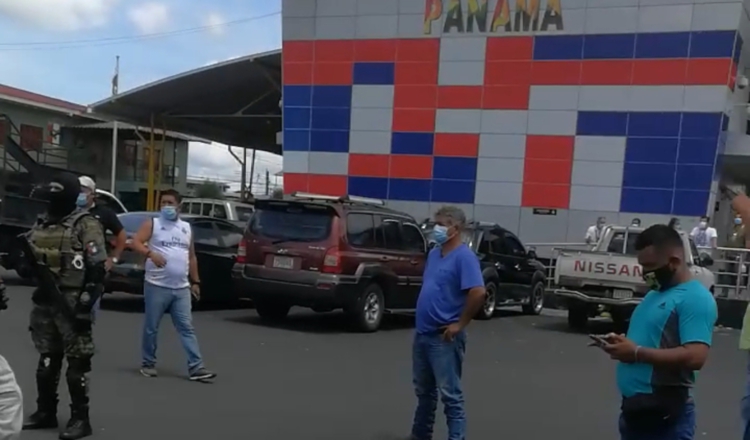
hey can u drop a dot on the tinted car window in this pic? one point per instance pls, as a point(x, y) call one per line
point(412, 238)
point(231, 235)
point(243, 213)
point(514, 246)
point(391, 232)
point(185, 207)
point(360, 230)
point(220, 212)
point(292, 221)
point(207, 209)
point(485, 246)
point(133, 221)
point(195, 208)
point(205, 234)
point(618, 238)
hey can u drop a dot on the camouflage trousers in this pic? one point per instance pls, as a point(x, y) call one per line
point(54, 332)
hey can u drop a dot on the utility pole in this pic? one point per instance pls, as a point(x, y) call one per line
point(115, 90)
point(268, 183)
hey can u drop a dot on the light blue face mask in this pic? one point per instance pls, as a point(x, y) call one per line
point(440, 234)
point(169, 213)
point(737, 221)
point(82, 201)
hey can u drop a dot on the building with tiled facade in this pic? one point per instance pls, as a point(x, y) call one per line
point(538, 115)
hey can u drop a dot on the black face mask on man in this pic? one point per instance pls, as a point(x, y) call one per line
point(661, 278)
point(61, 194)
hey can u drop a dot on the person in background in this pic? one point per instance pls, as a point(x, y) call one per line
point(668, 340)
point(170, 255)
point(737, 239)
point(674, 223)
point(703, 235)
point(11, 398)
point(636, 223)
point(594, 232)
point(452, 294)
point(109, 221)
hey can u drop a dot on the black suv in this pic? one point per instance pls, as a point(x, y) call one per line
point(326, 253)
point(512, 274)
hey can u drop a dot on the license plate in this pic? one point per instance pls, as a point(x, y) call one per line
point(283, 262)
point(622, 294)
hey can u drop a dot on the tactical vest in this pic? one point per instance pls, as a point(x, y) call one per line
point(60, 248)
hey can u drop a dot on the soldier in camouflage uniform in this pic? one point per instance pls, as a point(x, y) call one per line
point(71, 243)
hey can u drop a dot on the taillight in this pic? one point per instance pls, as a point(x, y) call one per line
point(332, 261)
point(241, 253)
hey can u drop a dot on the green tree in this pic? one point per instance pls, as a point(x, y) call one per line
point(209, 190)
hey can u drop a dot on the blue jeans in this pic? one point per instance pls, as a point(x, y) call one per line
point(176, 302)
point(437, 369)
point(745, 407)
point(95, 309)
point(682, 429)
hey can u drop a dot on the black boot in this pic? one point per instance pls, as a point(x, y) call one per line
point(78, 426)
point(47, 379)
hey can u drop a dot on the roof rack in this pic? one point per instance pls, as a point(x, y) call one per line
point(340, 199)
point(483, 223)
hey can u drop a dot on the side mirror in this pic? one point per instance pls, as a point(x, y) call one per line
point(705, 260)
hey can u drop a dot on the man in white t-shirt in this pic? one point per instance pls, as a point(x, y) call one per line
point(594, 232)
point(703, 235)
point(11, 404)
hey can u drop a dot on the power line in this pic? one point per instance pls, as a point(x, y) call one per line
point(110, 41)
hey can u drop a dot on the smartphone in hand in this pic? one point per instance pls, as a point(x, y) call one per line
point(598, 341)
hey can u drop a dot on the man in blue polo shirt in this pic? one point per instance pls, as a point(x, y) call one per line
point(667, 342)
point(452, 294)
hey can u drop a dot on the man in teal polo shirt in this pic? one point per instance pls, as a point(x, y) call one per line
point(667, 342)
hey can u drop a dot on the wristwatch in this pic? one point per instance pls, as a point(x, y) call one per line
point(195, 283)
point(115, 260)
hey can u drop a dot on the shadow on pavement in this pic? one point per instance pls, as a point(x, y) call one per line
point(134, 304)
point(560, 325)
point(330, 322)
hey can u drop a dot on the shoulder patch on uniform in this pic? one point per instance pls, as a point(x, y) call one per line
point(92, 248)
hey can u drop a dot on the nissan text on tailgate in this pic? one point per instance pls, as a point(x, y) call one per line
point(609, 279)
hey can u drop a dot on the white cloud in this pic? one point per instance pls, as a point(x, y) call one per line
point(214, 162)
point(216, 21)
point(149, 18)
point(58, 15)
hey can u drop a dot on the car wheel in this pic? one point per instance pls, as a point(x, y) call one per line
point(490, 302)
point(368, 313)
point(272, 311)
point(578, 318)
point(536, 300)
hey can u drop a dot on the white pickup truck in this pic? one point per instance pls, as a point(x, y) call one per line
point(609, 279)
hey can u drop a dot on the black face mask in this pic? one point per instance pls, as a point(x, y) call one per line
point(61, 193)
point(661, 278)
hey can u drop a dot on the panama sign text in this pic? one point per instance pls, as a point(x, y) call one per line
point(469, 16)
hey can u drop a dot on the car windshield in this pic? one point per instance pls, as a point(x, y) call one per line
point(617, 241)
point(243, 213)
point(292, 222)
point(132, 221)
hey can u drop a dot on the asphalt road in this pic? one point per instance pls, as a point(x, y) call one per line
point(525, 378)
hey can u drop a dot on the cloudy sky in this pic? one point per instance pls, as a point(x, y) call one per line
point(67, 49)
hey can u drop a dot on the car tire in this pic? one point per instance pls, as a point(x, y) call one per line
point(536, 300)
point(578, 318)
point(490, 302)
point(368, 313)
point(272, 311)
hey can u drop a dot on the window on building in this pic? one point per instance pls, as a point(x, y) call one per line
point(32, 137)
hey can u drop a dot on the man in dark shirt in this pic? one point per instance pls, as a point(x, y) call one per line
point(107, 217)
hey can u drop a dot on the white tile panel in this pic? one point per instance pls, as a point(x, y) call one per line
point(612, 3)
point(592, 173)
point(553, 98)
point(574, 21)
point(611, 20)
point(504, 121)
point(576, 4)
point(716, 16)
point(457, 121)
point(370, 142)
point(380, 7)
point(298, 28)
point(372, 96)
point(706, 98)
point(377, 26)
point(543, 228)
point(599, 148)
point(418, 210)
point(500, 170)
point(463, 49)
point(668, 2)
point(595, 198)
point(335, 28)
point(603, 98)
point(552, 122)
point(329, 163)
point(674, 18)
point(508, 217)
point(410, 7)
point(656, 98)
point(296, 161)
point(512, 146)
point(372, 119)
point(498, 193)
point(298, 8)
point(461, 73)
point(335, 8)
point(412, 26)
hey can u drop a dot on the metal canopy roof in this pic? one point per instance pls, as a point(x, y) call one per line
point(235, 102)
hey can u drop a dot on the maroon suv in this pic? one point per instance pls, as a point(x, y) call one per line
point(329, 253)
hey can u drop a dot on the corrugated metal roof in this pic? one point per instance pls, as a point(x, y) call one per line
point(125, 126)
